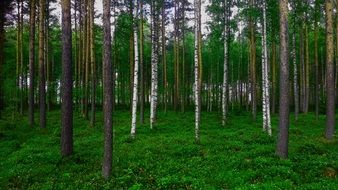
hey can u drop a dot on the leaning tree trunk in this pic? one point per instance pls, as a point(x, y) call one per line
point(135, 80)
point(225, 66)
point(198, 68)
point(31, 62)
point(265, 78)
point(42, 86)
point(67, 81)
point(330, 90)
point(282, 142)
point(107, 91)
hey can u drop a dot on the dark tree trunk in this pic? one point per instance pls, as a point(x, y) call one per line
point(330, 97)
point(31, 62)
point(67, 82)
point(282, 144)
point(107, 90)
point(141, 65)
point(42, 89)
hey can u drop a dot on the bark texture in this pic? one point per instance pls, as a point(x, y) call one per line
point(282, 141)
point(107, 90)
point(330, 90)
point(31, 62)
point(67, 81)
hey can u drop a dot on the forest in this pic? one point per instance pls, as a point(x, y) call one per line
point(168, 94)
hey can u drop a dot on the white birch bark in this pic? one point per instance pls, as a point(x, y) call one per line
point(197, 4)
point(154, 68)
point(134, 106)
point(225, 70)
point(265, 77)
point(295, 76)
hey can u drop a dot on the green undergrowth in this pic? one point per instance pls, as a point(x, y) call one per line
point(237, 156)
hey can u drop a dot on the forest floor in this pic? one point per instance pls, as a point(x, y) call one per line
point(238, 156)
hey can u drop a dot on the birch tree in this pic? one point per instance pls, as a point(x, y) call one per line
point(265, 78)
point(197, 68)
point(135, 80)
point(225, 65)
point(154, 63)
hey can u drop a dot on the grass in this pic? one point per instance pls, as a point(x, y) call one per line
point(238, 156)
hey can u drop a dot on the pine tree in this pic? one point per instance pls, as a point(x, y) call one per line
point(67, 82)
point(282, 142)
point(42, 75)
point(107, 91)
point(330, 90)
point(31, 62)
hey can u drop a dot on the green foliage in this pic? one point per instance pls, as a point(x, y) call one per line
point(238, 156)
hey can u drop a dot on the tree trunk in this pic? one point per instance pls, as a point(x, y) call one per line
point(31, 62)
point(225, 66)
point(164, 60)
point(253, 64)
point(265, 79)
point(330, 90)
point(42, 87)
point(316, 60)
point(92, 63)
point(154, 64)
point(198, 68)
point(107, 90)
point(141, 65)
point(282, 142)
point(67, 81)
point(135, 80)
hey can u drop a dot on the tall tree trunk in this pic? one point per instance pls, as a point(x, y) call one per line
point(307, 71)
point(135, 80)
point(67, 81)
point(92, 63)
point(18, 78)
point(21, 59)
point(316, 60)
point(31, 62)
point(42, 86)
point(265, 79)
point(87, 57)
point(164, 59)
point(107, 90)
point(302, 68)
point(295, 76)
point(330, 90)
point(141, 65)
point(253, 64)
point(198, 68)
point(154, 64)
point(225, 66)
point(274, 77)
point(282, 142)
